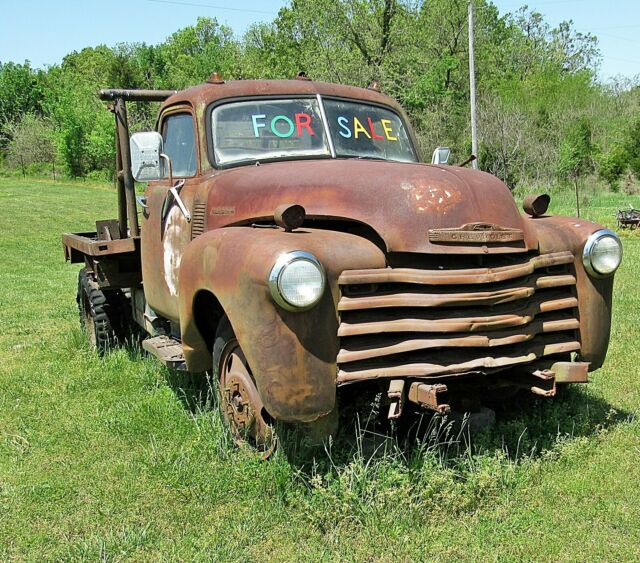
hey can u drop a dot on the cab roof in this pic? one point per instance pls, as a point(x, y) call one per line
point(204, 94)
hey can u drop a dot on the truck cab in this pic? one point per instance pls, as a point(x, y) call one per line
point(291, 243)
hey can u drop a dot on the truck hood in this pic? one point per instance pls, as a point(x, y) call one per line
point(403, 202)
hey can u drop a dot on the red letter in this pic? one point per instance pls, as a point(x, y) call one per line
point(303, 120)
point(373, 130)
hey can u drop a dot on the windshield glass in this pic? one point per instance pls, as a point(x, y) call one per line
point(268, 129)
point(261, 130)
point(366, 131)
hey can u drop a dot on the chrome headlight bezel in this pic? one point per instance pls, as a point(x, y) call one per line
point(588, 249)
point(282, 263)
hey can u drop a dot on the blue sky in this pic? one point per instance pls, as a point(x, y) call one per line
point(43, 31)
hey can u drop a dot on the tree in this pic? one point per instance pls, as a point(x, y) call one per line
point(576, 155)
point(193, 53)
point(32, 142)
point(21, 92)
point(612, 164)
point(535, 81)
point(632, 147)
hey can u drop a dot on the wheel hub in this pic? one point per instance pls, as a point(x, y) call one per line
point(241, 403)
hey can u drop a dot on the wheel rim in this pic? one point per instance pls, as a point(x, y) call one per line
point(241, 405)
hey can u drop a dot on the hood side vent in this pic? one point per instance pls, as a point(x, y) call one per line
point(198, 218)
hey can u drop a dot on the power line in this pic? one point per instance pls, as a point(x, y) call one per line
point(635, 26)
point(211, 6)
point(607, 58)
point(617, 37)
point(546, 2)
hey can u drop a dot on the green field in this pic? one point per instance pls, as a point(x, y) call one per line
point(118, 459)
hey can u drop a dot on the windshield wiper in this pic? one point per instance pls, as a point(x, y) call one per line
point(362, 157)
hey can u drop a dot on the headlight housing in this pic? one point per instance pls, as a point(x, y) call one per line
point(297, 281)
point(602, 253)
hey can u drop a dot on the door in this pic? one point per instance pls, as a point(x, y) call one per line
point(165, 227)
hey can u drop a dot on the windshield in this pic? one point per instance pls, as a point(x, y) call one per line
point(262, 130)
point(268, 129)
point(366, 131)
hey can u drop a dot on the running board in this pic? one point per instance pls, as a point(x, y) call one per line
point(168, 350)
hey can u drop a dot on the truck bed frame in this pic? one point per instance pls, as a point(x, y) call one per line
point(112, 251)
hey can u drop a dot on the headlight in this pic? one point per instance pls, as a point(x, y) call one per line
point(602, 253)
point(297, 281)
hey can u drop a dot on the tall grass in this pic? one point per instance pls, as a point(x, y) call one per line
point(118, 458)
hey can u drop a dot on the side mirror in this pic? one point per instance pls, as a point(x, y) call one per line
point(441, 155)
point(147, 162)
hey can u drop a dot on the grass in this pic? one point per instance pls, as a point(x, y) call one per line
point(120, 459)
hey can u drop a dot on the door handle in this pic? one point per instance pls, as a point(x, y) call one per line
point(142, 201)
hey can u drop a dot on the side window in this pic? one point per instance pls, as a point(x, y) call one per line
point(180, 143)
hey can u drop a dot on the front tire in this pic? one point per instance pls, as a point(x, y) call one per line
point(239, 399)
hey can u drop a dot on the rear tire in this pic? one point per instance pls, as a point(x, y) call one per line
point(101, 313)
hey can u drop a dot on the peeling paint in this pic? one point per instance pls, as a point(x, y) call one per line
point(172, 251)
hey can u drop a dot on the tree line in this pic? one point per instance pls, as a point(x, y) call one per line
point(543, 115)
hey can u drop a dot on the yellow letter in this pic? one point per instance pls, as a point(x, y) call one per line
point(387, 129)
point(357, 127)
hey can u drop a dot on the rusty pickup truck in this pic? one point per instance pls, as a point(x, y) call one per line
point(291, 243)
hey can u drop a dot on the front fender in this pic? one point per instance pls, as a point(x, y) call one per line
point(594, 294)
point(292, 354)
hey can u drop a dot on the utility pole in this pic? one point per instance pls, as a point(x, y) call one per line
point(472, 88)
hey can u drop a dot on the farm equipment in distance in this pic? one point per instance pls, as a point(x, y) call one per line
point(628, 218)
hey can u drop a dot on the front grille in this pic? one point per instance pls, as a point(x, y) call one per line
point(403, 322)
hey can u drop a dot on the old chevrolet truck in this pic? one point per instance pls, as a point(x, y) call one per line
point(291, 243)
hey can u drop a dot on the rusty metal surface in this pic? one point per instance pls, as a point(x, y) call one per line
point(412, 343)
point(242, 406)
point(135, 95)
point(557, 234)
point(395, 394)
point(289, 216)
point(531, 301)
point(536, 205)
point(432, 272)
point(205, 94)
point(429, 396)
point(292, 355)
point(123, 222)
point(122, 129)
point(465, 276)
point(395, 324)
point(540, 382)
point(476, 233)
point(399, 201)
point(466, 321)
point(89, 244)
point(449, 363)
point(167, 349)
point(571, 372)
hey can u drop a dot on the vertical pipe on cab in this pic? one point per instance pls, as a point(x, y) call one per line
point(125, 157)
point(122, 196)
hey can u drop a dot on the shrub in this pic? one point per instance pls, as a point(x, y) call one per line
point(612, 164)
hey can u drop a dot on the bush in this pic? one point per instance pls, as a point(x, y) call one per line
point(576, 151)
point(632, 146)
point(32, 143)
point(611, 166)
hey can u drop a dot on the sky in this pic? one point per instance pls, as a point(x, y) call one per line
point(44, 31)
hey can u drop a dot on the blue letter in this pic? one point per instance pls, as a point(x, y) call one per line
point(343, 121)
point(274, 129)
point(257, 125)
